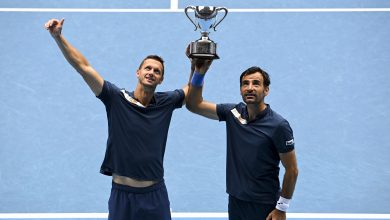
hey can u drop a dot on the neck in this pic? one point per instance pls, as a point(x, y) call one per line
point(255, 109)
point(143, 95)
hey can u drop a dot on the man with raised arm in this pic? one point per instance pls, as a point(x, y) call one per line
point(138, 123)
point(257, 140)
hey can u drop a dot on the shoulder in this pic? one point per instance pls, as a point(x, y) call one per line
point(108, 90)
point(282, 135)
point(174, 96)
point(224, 109)
point(279, 123)
point(276, 117)
point(169, 94)
point(175, 92)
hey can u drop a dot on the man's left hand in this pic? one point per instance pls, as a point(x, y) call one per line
point(276, 215)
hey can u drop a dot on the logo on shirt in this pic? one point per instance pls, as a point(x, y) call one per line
point(290, 142)
point(130, 99)
point(238, 116)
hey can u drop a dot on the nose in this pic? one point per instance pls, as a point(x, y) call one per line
point(150, 72)
point(250, 87)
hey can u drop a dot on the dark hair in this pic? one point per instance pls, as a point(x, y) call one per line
point(256, 69)
point(153, 57)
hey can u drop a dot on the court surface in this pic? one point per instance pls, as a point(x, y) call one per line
point(330, 77)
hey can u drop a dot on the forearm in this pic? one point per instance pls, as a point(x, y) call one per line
point(289, 181)
point(194, 98)
point(187, 86)
point(191, 73)
point(81, 65)
point(72, 55)
point(196, 104)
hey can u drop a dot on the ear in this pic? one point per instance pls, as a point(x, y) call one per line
point(266, 90)
point(161, 80)
point(137, 74)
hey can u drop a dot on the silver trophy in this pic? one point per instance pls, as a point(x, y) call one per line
point(206, 19)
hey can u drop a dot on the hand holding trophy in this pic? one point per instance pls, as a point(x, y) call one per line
point(206, 19)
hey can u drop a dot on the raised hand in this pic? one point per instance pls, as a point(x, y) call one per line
point(198, 64)
point(202, 65)
point(54, 26)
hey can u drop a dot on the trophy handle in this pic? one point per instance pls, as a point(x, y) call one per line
point(186, 11)
point(219, 9)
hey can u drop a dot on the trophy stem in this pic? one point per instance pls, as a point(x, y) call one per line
point(205, 34)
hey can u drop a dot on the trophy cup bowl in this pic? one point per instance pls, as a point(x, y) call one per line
point(205, 19)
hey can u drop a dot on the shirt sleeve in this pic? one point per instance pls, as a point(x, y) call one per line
point(178, 97)
point(283, 138)
point(107, 93)
point(223, 110)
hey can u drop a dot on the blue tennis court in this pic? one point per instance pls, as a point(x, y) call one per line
point(330, 77)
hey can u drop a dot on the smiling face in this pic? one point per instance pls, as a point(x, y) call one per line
point(150, 73)
point(252, 88)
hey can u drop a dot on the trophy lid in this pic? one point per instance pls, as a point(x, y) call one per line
point(205, 12)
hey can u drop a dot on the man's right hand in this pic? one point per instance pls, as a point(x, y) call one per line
point(202, 65)
point(54, 26)
point(199, 65)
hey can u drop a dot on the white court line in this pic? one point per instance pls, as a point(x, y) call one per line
point(191, 215)
point(174, 4)
point(174, 9)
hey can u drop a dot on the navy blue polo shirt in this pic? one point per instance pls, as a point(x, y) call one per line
point(253, 147)
point(137, 135)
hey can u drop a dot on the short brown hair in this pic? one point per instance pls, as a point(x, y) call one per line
point(256, 69)
point(153, 57)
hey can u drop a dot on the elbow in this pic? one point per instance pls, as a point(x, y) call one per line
point(194, 104)
point(190, 103)
point(190, 106)
point(292, 172)
point(295, 172)
point(82, 69)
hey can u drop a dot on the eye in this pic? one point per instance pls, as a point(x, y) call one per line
point(245, 83)
point(256, 83)
point(158, 72)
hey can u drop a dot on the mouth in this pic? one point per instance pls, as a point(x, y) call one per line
point(250, 96)
point(150, 79)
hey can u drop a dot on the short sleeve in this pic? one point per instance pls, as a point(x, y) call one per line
point(107, 92)
point(283, 137)
point(178, 97)
point(223, 110)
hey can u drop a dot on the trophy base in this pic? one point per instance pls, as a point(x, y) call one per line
point(204, 56)
point(203, 49)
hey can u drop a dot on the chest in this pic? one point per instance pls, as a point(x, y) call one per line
point(254, 137)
